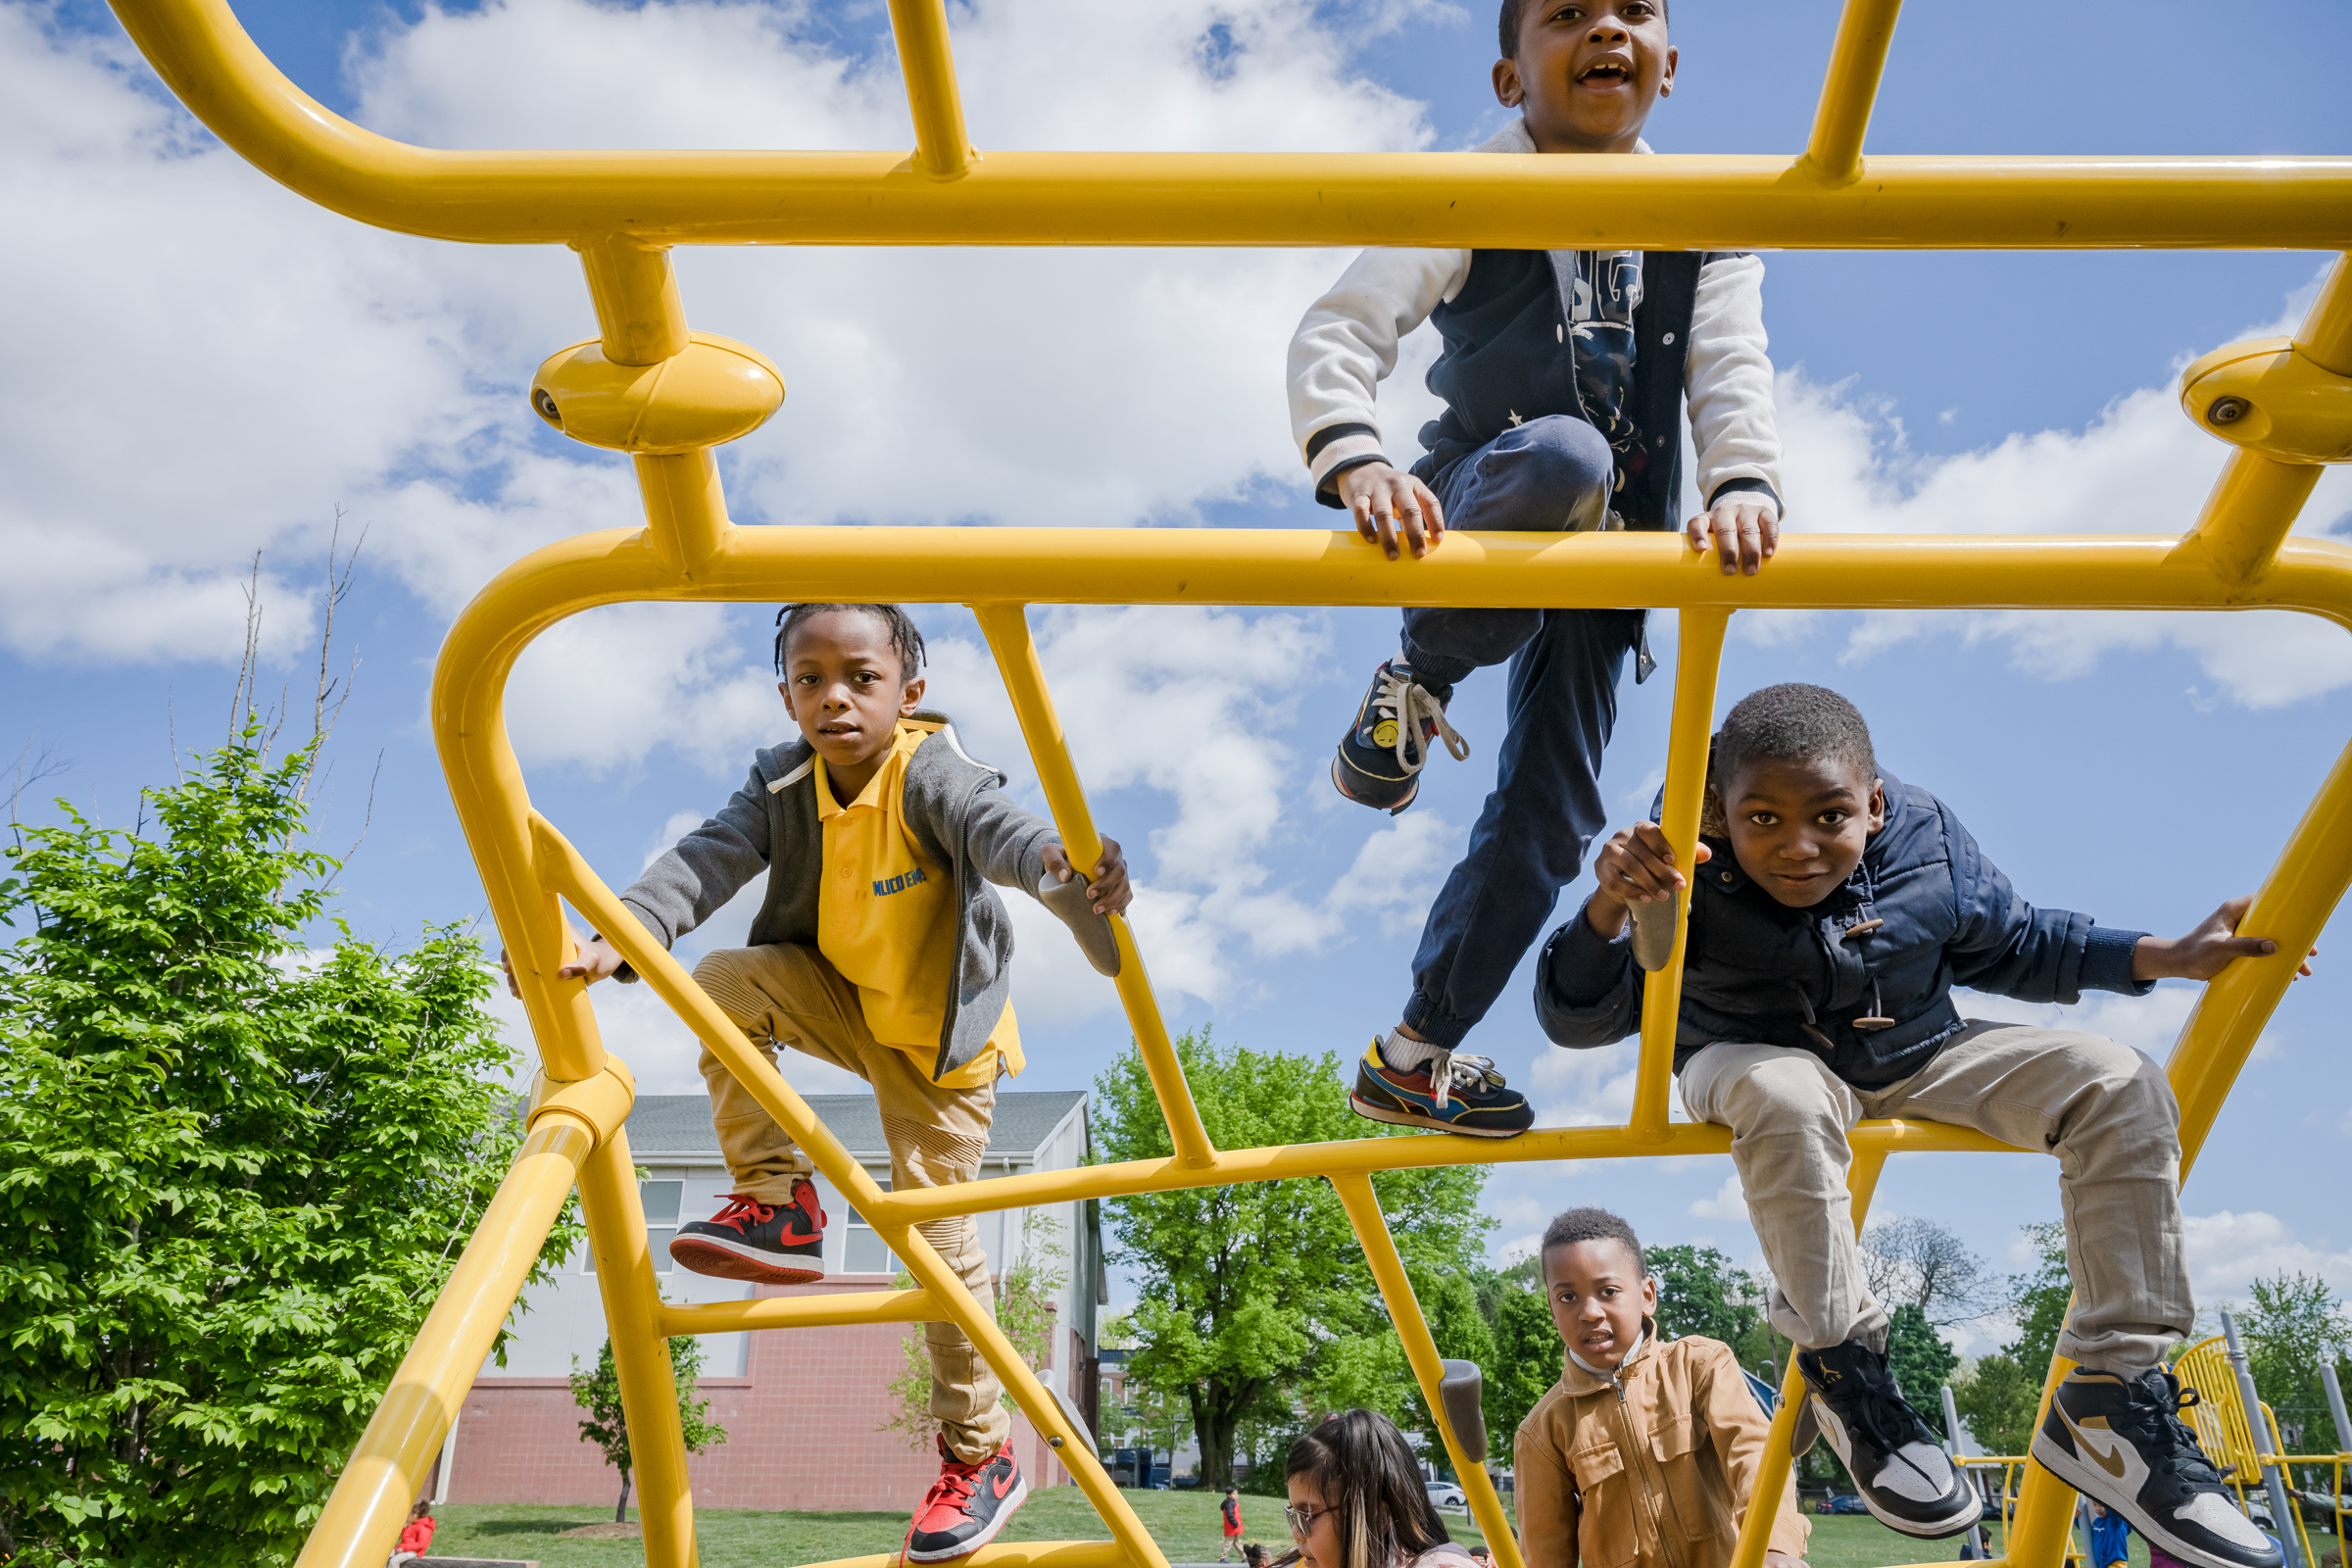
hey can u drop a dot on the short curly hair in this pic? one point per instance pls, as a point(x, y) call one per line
point(1514, 12)
point(1593, 1225)
point(904, 637)
point(1793, 722)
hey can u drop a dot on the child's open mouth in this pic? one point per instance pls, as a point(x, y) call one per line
point(1605, 74)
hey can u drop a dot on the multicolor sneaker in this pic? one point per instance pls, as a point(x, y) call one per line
point(1455, 1094)
point(1899, 1467)
point(965, 1507)
point(757, 1242)
point(1379, 762)
point(2122, 1442)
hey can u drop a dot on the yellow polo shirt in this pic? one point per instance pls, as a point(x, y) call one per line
point(886, 919)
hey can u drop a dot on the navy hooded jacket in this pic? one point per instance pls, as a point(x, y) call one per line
point(1757, 970)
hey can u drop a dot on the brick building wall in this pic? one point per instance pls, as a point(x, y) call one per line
point(801, 1427)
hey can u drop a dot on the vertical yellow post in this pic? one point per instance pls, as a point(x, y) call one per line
point(1764, 1506)
point(942, 149)
point(1851, 88)
point(1421, 1352)
point(648, 1396)
point(1006, 627)
point(639, 314)
point(1697, 664)
point(395, 1455)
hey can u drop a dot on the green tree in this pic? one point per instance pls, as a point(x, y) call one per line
point(1919, 1360)
point(1261, 1287)
point(1528, 1356)
point(1024, 1311)
point(2296, 1325)
point(2038, 1297)
point(607, 1426)
point(1701, 1291)
point(234, 1172)
point(1998, 1396)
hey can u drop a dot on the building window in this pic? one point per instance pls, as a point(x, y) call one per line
point(865, 1253)
point(661, 1201)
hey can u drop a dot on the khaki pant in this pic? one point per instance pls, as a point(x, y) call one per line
point(786, 995)
point(2104, 1110)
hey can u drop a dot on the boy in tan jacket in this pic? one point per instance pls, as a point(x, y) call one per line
point(1643, 1452)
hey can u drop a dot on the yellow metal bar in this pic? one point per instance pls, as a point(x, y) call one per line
point(395, 1455)
point(685, 510)
point(942, 149)
point(1421, 1352)
point(1764, 1503)
point(798, 1312)
point(1698, 662)
point(2041, 1529)
point(2247, 514)
point(1849, 88)
point(1006, 627)
point(565, 872)
point(638, 311)
point(648, 1394)
point(1075, 1449)
point(2326, 335)
point(1661, 201)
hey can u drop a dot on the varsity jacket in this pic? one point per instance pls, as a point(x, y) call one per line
point(1509, 356)
point(961, 820)
point(1922, 912)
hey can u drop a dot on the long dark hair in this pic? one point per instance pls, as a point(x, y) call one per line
point(1362, 1466)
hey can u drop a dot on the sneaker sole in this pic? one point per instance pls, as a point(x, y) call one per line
point(1005, 1510)
point(1338, 781)
point(1408, 1119)
point(2091, 1481)
point(715, 1259)
point(1962, 1517)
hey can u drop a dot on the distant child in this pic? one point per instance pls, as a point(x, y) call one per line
point(1230, 1510)
point(1254, 1556)
point(416, 1536)
point(1632, 1421)
point(881, 948)
point(1564, 375)
point(1357, 1501)
point(2110, 1537)
point(1836, 910)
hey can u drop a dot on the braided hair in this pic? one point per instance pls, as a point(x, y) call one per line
point(904, 637)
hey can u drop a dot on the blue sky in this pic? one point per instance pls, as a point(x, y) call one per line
point(213, 369)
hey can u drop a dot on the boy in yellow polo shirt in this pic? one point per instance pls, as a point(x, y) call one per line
point(880, 947)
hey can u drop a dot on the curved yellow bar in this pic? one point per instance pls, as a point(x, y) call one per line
point(1028, 198)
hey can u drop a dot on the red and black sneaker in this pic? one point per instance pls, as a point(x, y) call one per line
point(965, 1507)
point(757, 1242)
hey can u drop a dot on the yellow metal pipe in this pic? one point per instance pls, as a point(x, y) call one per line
point(564, 871)
point(1662, 202)
point(395, 1455)
point(648, 1393)
point(2041, 1527)
point(685, 510)
point(2249, 513)
point(1006, 627)
point(942, 148)
point(1764, 1503)
point(2326, 335)
point(1421, 1353)
point(798, 1312)
point(1698, 662)
point(1075, 1449)
point(638, 311)
point(1849, 89)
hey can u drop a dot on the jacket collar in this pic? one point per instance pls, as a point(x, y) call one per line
point(1514, 138)
point(1578, 1378)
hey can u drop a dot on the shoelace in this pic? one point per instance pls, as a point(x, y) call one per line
point(740, 1212)
point(955, 1485)
point(1882, 1414)
point(1415, 709)
point(2153, 1416)
point(1451, 1070)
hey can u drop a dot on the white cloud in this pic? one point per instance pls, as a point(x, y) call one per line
point(1586, 1088)
point(1728, 1204)
point(2148, 1024)
point(2227, 1251)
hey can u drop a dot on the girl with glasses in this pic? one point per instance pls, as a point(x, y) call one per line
point(1357, 1501)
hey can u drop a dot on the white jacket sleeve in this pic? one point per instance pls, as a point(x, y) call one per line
point(1346, 342)
point(1728, 378)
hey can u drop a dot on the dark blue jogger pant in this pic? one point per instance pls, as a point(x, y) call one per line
point(1546, 476)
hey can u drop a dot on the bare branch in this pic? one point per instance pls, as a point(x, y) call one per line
point(249, 667)
point(31, 770)
point(1922, 1263)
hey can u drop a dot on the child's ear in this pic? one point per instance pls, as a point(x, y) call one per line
point(1878, 803)
point(1509, 90)
point(912, 698)
point(1666, 82)
point(784, 690)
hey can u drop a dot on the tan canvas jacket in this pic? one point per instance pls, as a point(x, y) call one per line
point(1651, 1467)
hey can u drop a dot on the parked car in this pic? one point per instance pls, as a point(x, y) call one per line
point(1447, 1494)
point(1845, 1503)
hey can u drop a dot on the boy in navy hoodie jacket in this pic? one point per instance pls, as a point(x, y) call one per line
point(1563, 375)
point(1831, 911)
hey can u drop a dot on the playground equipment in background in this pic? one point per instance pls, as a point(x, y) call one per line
point(649, 387)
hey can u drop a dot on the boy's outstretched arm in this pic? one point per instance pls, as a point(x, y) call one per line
point(2209, 947)
point(1107, 890)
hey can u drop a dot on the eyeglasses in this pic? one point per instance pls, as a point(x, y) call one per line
point(1302, 1520)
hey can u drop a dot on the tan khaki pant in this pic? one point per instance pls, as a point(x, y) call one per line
point(786, 995)
point(2104, 1110)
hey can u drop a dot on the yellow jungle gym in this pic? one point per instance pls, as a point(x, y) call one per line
point(647, 386)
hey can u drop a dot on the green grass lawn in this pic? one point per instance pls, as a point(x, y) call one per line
point(1184, 1523)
